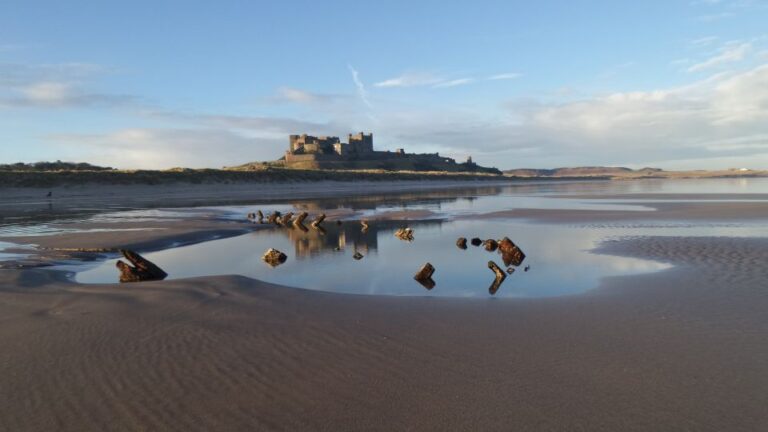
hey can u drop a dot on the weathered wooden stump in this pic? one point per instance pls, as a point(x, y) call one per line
point(461, 243)
point(318, 220)
point(500, 276)
point(491, 245)
point(404, 234)
point(285, 220)
point(274, 257)
point(273, 218)
point(424, 276)
point(510, 252)
point(140, 270)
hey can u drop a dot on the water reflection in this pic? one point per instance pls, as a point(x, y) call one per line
point(560, 256)
point(348, 235)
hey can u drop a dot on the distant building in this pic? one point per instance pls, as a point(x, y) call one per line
point(328, 152)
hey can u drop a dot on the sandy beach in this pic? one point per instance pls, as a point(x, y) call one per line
point(680, 349)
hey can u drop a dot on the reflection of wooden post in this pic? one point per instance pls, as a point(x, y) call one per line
point(500, 276)
point(142, 269)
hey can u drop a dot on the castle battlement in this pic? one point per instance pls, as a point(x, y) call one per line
point(329, 152)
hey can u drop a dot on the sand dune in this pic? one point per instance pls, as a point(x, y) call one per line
point(679, 350)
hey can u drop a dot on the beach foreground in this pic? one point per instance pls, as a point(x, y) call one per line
point(680, 349)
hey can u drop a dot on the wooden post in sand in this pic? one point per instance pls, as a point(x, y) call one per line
point(140, 270)
point(318, 220)
point(500, 276)
point(424, 276)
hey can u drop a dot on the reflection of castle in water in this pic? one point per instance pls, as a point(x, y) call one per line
point(348, 235)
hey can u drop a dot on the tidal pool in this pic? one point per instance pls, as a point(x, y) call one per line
point(558, 256)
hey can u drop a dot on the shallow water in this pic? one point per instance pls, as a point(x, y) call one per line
point(559, 256)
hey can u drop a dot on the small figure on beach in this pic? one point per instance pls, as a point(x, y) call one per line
point(50, 194)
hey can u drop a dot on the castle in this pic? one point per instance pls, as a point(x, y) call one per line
point(328, 152)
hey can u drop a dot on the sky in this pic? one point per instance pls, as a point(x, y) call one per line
point(534, 84)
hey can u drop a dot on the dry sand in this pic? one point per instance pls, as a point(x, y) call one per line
point(683, 349)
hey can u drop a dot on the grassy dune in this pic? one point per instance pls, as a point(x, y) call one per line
point(199, 176)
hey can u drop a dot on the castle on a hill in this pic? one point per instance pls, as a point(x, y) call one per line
point(328, 152)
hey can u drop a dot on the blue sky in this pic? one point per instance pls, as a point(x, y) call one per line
point(157, 84)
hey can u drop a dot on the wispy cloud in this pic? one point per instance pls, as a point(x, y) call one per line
point(361, 92)
point(728, 54)
point(454, 82)
point(411, 79)
point(304, 97)
point(428, 79)
point(504, 76)
point(62, 85)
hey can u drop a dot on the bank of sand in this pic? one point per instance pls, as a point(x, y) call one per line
point(682, 349)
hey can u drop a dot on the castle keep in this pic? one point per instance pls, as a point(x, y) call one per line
point(328, 152)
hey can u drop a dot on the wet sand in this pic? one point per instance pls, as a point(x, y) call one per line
point(682, 349)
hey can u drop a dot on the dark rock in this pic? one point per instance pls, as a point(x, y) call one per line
point(357, 256)
point(476, 241)
point(510, 269)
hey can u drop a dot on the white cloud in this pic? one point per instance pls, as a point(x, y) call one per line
point(411, 80)
point(728, 54)
point(168, 148)
point(454, 82)
point(504, 76)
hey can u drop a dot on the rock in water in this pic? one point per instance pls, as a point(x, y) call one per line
point(510, 270)
point(141, 269)
point(274, 257)
point(476, 241)
point(491, 245)
point(358, 256)
point(510, 252)
point(461, 243)
point(260, 217)
point(500, 276)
